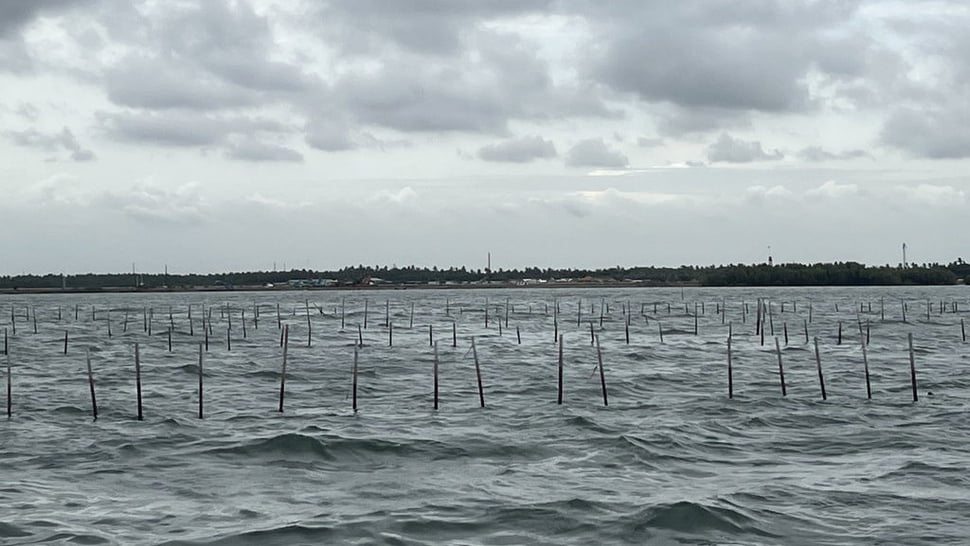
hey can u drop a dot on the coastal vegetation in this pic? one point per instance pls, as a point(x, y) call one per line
point(793, 274)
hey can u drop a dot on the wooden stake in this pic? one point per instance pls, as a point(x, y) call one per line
point(169, 339)
point(390, 334)
point(518, 335)
point(454, 334)
point(65, 341)
point(785, 325)
point(963, 331)
point(840, 333)
point(138, 380)
point(660, 326)
point(430, 335)
point(865, 363)
point(354, 389)
point(730, 370)
point(200, 382)
point(818, 364)
point(9, 389)
point(365, 312)
point(781, 369)
point(94, 400)
point(435, 345)
point(912, 367)
point(478, 375)
point(360, 336)
point(342, 312)
point(286, 344)
point(309, 328)
point(411, 322)
point(599, 358)
point(560, 371)
point(805, 326)
point(387, 313)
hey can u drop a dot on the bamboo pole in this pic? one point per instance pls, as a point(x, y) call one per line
point(478, 375)
point(65, 341)
point(435, 345)
point(518, 335)
point(599, 358)
point(138, 380)
point(912, 367)
point(818, 364)
point(9, 388)
point(94, 400)
point(354, 389)
point(309, 327)
point(560, 371)
point(200, 382)
point(865, 364)
point(730, 370)
point(781, 368)
point(286, 344)
point(454, 333)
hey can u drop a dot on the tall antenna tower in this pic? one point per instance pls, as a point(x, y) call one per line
point(904, 256)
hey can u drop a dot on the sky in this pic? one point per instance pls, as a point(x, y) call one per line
point(228, 135)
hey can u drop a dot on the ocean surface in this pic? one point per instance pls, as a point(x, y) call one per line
point(671, 460)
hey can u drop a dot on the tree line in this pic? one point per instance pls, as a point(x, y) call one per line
point(794, 274)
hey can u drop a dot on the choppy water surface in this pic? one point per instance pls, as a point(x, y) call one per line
point(671, 460)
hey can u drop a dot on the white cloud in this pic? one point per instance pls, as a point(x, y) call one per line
point(833, 190)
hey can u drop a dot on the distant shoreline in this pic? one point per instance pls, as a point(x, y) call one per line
point(492, 286)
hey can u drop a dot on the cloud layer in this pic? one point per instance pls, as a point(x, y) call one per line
point(252, 97)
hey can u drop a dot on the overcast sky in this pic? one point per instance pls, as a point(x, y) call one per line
point(214, 135)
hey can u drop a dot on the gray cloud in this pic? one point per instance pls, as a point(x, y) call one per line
point(182, 129)
point(745, 56)
point(728, 149)
point(254, 150)
point(433, 27)
point(819, 154)
point(206, 55)
point(14, 14)
point(648, 142)
point(64, 140)
point(520, 150)
point(161, 84)
point(330, 134)
point(594, 152)
point(936, 133)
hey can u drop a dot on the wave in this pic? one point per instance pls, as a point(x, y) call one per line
point(696, 518)
point(286, 534)
point(9, 530)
